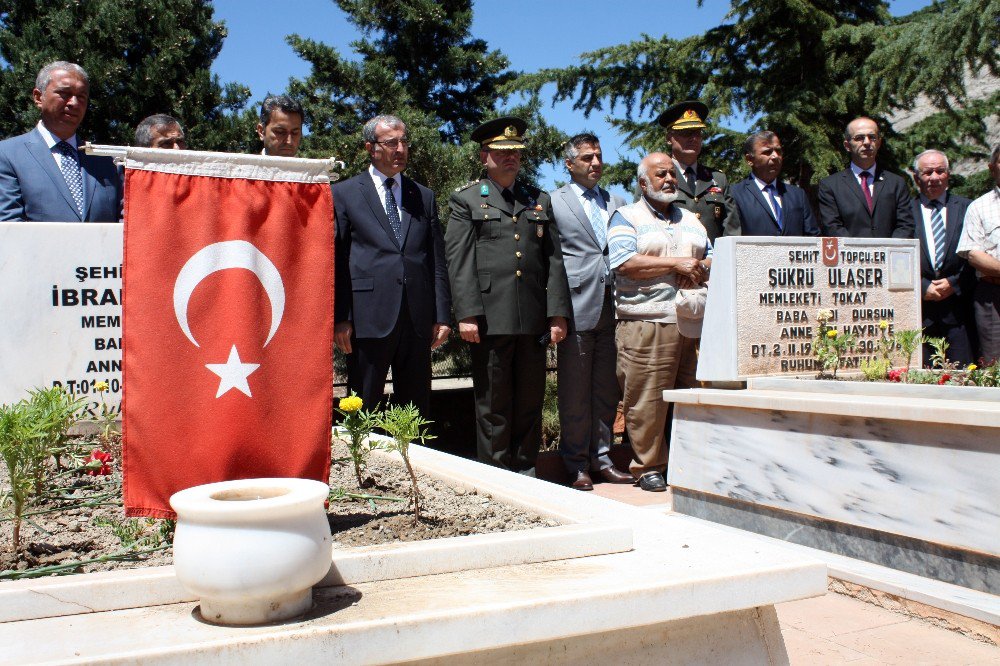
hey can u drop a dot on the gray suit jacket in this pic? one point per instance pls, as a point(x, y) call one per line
point(33, 189)
point(585, 261)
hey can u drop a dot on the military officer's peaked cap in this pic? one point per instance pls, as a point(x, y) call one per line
point(684, 115)
point(505, 133)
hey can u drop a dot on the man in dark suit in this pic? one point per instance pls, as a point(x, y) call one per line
point(767, 205)
point(700, 189)
point(864, 200)
point(392, 304)
point(43, 177)
point(588, 383)
point(947, 279)
point(509, 288)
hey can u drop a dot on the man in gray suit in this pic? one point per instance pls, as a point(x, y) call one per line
point(588, 384)
point(43, 175)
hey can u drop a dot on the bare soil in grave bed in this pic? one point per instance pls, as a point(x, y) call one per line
point(75, 533)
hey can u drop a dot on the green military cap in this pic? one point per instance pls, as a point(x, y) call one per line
point(684, 115)
point(505, 133)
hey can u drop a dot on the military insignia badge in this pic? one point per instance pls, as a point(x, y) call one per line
point(718, 212)
point(510, 131)
point(690, 115)
point(484, 190)
point(538, 206)
point(715, 190)
point(539, 230)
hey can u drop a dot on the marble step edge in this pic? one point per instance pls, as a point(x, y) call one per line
point(922, 410)
point(981, 606)
point(885, 389)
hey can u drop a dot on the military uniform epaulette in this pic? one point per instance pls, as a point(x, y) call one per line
point(469, 184)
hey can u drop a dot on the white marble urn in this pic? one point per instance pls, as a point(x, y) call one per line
point(252, 549)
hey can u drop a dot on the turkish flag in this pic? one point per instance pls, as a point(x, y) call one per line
point(227, 327)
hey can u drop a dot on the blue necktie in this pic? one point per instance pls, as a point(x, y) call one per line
point(392, 211)
point(779, 215)
point(937, 228)
point(70, 167)
point(597, 220)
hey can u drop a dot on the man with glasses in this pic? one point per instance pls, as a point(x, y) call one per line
point(700, 189)
point(864, 200)
point(392, 304)
point(511, 296)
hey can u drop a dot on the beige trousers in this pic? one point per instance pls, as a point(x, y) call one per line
point(652, 357)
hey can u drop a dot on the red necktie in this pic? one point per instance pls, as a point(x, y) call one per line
point(864, 187)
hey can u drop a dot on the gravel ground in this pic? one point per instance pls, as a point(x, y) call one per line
point(75, 533)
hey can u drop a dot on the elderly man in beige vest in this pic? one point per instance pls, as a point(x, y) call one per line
point(661, 255)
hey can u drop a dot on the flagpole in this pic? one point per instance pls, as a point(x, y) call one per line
point(120, 153)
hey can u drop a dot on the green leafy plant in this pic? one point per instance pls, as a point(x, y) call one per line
point(55, 411)
point(908, 341)
point(107, 419)
point(875, 369)
point(135, 533)
point(358, 423)
point(830, 346)
point(19, 438)
point(404, 425)
point(939, 357)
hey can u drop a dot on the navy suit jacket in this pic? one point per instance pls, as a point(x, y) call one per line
point(373, 270)
point(844, 212)
point(955, 309)
point(33, 189)
point(757, 219)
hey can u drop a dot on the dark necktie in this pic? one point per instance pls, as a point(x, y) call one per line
point(508, 196)
point(779, 215)
point(392, 211)
point(69, 165)
point(691, 181)
point(937, 228)
point(865, 179)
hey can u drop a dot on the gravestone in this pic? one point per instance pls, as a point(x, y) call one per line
point(60, 286)
point(766, 293)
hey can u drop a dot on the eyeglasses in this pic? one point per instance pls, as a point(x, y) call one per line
point(393, 144)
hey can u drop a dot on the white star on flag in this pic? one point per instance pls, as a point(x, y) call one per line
point(233, 373)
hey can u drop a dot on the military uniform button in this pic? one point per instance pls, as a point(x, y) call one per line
point(698, 215)
point(696, 199)
point(517, 254)
point(517, 236)
point(514, 219)
point(517, 273)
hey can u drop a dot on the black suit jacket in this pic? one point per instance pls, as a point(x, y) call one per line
point(956, 308)
point(757, 219)
point(373, 270)
point(843, 212)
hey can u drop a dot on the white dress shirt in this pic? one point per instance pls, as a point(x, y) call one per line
point(857, 176)
point(926, 212)
point(761, 185)
point(397, 190)
point(51, 140)
point(585, 201)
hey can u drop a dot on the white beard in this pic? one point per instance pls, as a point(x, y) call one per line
point(663, 197)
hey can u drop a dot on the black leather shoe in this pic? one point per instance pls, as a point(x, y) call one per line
point(612, 475)
point(652, 482)
point(583, 481)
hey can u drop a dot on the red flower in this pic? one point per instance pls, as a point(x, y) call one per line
point(896, 375)
point(944, 378)
point(99, 463)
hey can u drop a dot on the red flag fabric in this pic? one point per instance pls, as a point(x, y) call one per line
point(227, 323)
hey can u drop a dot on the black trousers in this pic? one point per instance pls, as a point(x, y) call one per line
point(508, 378)
point(403, 350)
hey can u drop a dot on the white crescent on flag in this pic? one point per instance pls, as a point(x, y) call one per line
point(220, 256)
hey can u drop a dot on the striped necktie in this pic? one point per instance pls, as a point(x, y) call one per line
point(937, 228)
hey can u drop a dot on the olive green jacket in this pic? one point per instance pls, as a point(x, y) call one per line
point(711, 202)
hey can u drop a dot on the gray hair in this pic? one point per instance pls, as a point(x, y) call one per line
point(752, 139)
point(44, 77)
point(392, 122)
point(640, 174)
point(932, 151)
point(572, 147)
point(281, 102)
point(144, 130)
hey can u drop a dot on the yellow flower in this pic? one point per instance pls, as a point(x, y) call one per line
point(832, 333)
point(351, 403)
point(971, 367)
point(883, 324)
point(101, 387)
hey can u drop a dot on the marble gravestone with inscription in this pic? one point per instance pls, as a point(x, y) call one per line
point(765, 294)
point(60, 286)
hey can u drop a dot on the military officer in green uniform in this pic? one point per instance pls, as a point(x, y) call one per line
point(700, 188)
point(509, 292)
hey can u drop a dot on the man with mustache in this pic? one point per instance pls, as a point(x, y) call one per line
point(658, 251)
point(768, 206)
point(43, 175)
point(864, 200)
point(588, 388)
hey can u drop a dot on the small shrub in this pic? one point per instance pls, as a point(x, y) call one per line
point(405, 425)
point(358, 423)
